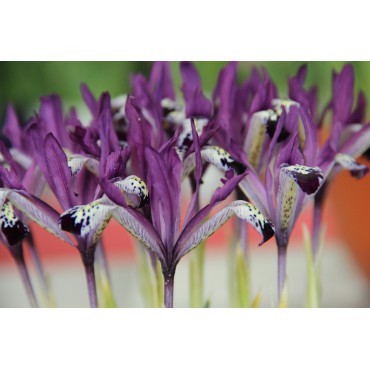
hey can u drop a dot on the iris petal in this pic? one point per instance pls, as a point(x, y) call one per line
point(87, 221)
point(357, 170)
point(215, 155)
point(13, 229)
point(293, 178)
point(245, 211)
point(133, 185)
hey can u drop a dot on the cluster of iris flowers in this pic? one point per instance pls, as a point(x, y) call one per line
point(129, 162)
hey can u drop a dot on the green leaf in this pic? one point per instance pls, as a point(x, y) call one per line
point(104, 289)
point(284, 296)
point(243, 277)
point(160, 284)
point(148, 279)
point(313, 271)
point(257, 301)
point(197, 276)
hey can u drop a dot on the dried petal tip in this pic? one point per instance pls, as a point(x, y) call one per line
point(357, 170)
point(308, 179)
point(11, 227)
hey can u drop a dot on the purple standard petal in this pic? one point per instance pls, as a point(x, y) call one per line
point(164, 183)
point(59, 174)
point(86, 139)
point(161, 83)
point(149, 107)
point(343, 86)
point(224, 98)
point(198, 173)
point(265, 94)
point(139, 136)
point(310, 150)
point(51, 114)
point(115, 165)
point(89, 99)
point(197, 105)
point(12, 129)
point(359, 113)
point(7, 159)
point(10, 179)
point(307, 98)
point(108, 137)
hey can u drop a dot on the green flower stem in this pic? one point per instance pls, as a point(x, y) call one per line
point(104, 279)
point(197, 276)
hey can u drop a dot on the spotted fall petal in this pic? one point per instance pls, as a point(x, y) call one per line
point(76, 162)
point(293, 178)
point(256, 136)
point(244, 210)
point(12, 228)
point(357, 170)
point(37, 211)
point(135, 190)
point(88, 221)
point(215, 155)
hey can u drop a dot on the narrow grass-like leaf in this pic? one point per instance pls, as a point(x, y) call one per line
point(312, 299)
point(242, 281)
point(197, 276)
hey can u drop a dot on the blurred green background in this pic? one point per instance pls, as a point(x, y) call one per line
point(22, 83)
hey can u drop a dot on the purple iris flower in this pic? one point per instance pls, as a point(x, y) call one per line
point(17, 207)
point(163, 165)
point(349, 139)
point(277, 141)
point(73, 166)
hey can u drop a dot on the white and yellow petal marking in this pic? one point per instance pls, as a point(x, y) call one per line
point(76, 162)
point(278, 105)
point(244, 210)
point(185, 138)
point(215, 155)
point(13, 229)
point(293, 178)
point(357, 170)
point(118, 105)
point(133, 185)
point(257, 135)
point(87, 221)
